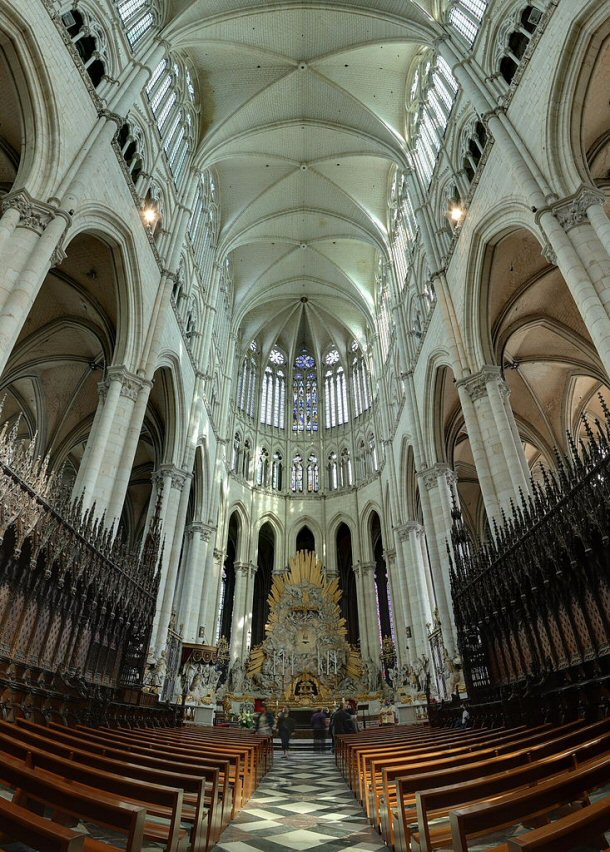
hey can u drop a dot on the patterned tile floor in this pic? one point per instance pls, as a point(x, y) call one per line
point(302, 803)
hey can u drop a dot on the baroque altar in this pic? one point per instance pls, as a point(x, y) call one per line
point(305, 659)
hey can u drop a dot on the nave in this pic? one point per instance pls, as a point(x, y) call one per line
point(302, 803)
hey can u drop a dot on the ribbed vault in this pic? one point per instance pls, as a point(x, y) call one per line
point(302, 119)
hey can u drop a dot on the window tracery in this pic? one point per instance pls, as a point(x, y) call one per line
point(361, 385)
point(296, 479)
point(171, 96)
point(517, 34)
point(246, 385)
point(89, 39)
point(433, 91)
point(304, 393)
point(277, 472)
point(335, 391)
point(313, 474)
point(262, 469)
point(273, 391)
point(130, 140)
point(138, 18)
point(333, 471)
point(465, 17)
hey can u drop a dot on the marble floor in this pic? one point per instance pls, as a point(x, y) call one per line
point(302, 803)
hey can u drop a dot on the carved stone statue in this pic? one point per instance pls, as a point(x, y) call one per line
point(236, 677)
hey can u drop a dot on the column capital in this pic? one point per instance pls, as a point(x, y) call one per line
point(431, 475)
point(475, 385)
point(176, 476)
point(404, 530)
point(572, 210)
point(131, 383)
point(389, 556)
point(34, 215)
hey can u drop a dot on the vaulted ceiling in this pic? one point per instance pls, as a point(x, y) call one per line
point(302, 121)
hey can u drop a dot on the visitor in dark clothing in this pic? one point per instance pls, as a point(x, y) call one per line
point(318, 723)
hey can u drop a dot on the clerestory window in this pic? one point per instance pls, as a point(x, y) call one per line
point(273, 391)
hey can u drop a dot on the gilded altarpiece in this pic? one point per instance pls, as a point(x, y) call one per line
point(305, 659)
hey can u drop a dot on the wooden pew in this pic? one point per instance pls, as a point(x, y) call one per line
point(381, 793)
point(452, 788)
point(406, 783)
point(512, 808)
point(199, 801)
point(242, 782)
point(19, 824)
point(63, 798)
point(585, 826)
point(155, 798)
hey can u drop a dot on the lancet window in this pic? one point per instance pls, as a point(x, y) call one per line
point(361, 385)
point(262, 469)
point(171, 95)
point(437, 89)
point(203, 224)
point(296, 478)
point(273, 391)
point(89, 39)
point(277, 472)
point(313, 474)
point(236, 452)
point(335, 391)
point(465, 16)
point(304, 394)
point(518, 39)
point(138, 17)
point(246, 384)
point(346, 475)
point(333, 472)
point(245, 460)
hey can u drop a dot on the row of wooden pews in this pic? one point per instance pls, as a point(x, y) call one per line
point(425, 789)
point(176, 786)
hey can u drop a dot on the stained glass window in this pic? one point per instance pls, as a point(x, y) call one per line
point(296, 480)
point(273, 391)
point(313, 474)
point(305, 394)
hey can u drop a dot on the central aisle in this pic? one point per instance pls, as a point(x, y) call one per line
point(303, 803)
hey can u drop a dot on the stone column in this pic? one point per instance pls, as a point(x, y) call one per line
point(362, 624)
point(439, 482)
point(112, 465)
point(401, 605)
point(369, 615)
point(195, 579)
point(419, 582)
point(139, 391)
point(109, 394)
point(31, 239)
point(238, 622)
point(498, 454)
point(211, 594)
point(173, 481)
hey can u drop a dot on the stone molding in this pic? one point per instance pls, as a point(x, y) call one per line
point(176, 476)
point(431, 475)
point(404, 530)
point(571, 211)
point(131, 384)
point(34, 215)
point(476, 385)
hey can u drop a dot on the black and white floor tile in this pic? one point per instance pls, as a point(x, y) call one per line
point(302, 803)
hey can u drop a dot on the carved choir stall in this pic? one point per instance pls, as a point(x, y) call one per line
point(76, 608)
point(532, 606)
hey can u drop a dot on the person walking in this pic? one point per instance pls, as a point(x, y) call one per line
point(318, 723)
point(285, 728)
point(265, 722)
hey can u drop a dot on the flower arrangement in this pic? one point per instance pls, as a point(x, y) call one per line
point(246, 719)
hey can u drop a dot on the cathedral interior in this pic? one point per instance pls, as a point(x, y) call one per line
point(303, 280)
